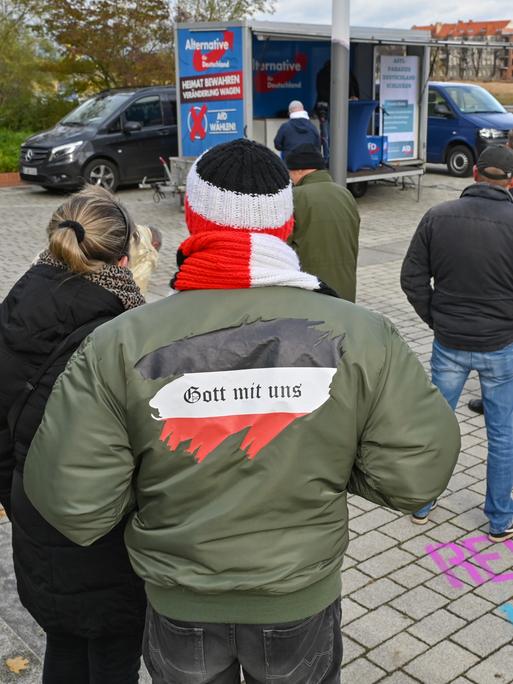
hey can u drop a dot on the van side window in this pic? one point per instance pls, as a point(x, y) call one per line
point(434, 99)
point(169, 111)
point(147, 111)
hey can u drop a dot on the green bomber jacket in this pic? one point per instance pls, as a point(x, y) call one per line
point(326, 230)
point(231, 426)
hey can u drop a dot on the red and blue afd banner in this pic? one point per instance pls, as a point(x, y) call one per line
point(285, 70)
point(211, 88)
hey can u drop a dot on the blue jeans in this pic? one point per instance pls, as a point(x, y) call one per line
point(450, 369)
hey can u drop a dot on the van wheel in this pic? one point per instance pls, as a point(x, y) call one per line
point(102, 172)
point(358, 189)
point(460, 161)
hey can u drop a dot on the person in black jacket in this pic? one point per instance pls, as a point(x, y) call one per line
point(88, 600)
point(466, 247)
point(296, 131)
point(476, 405)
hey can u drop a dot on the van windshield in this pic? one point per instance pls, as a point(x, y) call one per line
point(96, 110)
point(472, 99)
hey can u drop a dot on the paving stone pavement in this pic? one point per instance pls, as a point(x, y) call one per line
point(430, 604)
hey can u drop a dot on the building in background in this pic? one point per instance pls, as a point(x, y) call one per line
point(470, 63)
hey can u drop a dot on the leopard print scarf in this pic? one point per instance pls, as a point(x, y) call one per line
point(113, 278)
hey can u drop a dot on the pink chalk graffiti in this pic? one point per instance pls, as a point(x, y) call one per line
point(460, 558)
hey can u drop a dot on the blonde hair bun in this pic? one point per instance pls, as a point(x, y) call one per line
point(91, 229)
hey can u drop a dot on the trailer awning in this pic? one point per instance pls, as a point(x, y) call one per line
point(278, 30)
point(363, 34)
point(266, 30)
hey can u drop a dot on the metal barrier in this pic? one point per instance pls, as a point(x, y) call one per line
point(175, 170)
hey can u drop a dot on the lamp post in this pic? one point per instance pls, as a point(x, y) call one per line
point(339, 90)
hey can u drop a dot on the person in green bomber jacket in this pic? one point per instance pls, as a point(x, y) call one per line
point(230, 421)
point(327, 224)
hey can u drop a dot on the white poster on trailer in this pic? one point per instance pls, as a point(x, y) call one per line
point(398, 96)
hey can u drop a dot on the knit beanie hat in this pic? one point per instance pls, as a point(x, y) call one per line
point(305, 156)
point(239, 211)
point(239, 186)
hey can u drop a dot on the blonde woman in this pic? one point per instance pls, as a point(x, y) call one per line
point(87, 600)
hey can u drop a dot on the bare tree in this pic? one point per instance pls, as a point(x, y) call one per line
point(476, 58)
point(214, 10)
point(14, 14)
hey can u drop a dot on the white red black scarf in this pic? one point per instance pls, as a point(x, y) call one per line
point(227, 260)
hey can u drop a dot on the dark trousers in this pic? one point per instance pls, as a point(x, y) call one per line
point(305, 652)
point(108, 660)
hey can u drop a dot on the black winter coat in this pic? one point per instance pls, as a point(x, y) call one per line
point(89, 592)
point(466, 247)
point(296, 132)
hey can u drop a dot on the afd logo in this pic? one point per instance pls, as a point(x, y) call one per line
point(373, 148)
point(209, 53)
point(273, 76)
point(407, 149)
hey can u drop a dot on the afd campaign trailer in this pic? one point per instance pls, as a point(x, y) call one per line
point(237, 78)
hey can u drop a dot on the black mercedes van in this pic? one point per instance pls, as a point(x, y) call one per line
point(114, 138)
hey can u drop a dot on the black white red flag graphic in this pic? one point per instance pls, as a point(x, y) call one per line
point(255, 379)
point(206, 408)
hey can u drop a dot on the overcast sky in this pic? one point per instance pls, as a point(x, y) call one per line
point(393, 13)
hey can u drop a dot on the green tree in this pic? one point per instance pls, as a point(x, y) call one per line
point(24, 81)
point(110, 43)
